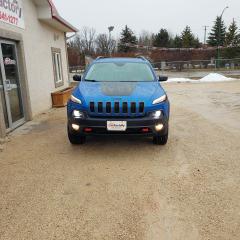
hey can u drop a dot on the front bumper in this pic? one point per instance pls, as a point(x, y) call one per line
point(135, 126)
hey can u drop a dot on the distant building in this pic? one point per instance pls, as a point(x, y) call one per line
point(33, 59)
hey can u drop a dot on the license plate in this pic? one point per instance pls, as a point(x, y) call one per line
point(117, 126)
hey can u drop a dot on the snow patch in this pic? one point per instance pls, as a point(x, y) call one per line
point(179, 80)
point(212, 77)
point(215, 77)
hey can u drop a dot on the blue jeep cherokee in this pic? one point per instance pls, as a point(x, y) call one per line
point(118, 96)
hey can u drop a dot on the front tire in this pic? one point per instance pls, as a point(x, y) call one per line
point(160, 139)
point(76, 139)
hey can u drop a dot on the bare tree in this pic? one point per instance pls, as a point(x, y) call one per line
point(84, 41)
point(76, 54)
point(146, 38)
point(87, 40)
point(76, 43)
point(104, 44)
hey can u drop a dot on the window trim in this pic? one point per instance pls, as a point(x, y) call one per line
point(57, 81)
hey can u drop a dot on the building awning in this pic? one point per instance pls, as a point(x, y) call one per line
point(48, 14)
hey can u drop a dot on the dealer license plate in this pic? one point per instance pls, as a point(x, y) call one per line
point(117, 126)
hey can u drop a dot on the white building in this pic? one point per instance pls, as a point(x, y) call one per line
point(33, 59)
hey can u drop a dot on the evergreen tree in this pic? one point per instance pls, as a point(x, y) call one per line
point(232, 35)
point(177, 42)
point(162, 39)
point(232, 39)
point(218, 33)
point(197, 43)
point(188, 39)
point(127, 36)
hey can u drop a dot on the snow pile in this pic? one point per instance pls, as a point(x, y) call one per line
point(215, 77)
point(212, 77)
point(180, 80)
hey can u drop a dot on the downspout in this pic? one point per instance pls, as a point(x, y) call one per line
point(66, 49)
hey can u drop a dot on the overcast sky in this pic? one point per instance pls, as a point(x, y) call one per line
point(150, 15)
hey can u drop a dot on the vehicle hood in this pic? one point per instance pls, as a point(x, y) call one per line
point(119, 91)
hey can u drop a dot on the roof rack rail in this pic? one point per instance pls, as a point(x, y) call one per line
point(142, 57)
point(101, 57)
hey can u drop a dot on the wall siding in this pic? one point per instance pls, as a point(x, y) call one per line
point(38, 39)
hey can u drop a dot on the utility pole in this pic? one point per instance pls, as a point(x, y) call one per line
point(205, 34)
point(219, 36)
point(110, 29)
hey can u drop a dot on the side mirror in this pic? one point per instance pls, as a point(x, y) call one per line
point(163, 78)
point(77, 78)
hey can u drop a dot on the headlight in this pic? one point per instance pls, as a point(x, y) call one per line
point(77, 114)
point(161, 99)
point(157, 114)
point(76, 100)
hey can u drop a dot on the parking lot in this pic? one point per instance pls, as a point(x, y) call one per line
point(126, 187)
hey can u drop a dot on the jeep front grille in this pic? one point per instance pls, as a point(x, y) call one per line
point(100, 107)
point(117, 107)
point(141, 107)
point(125, 107)
point(108, 107)
point(92, 106)
point(133, 107)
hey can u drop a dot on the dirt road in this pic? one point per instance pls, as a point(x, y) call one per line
point(127, 188)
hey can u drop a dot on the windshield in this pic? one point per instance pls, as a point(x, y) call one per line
point(120, 72)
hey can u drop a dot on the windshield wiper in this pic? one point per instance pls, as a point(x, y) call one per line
point(90, 80)
point(135, 81)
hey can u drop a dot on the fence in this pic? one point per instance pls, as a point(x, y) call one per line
point(192, 68)
point(214, 64)
point(76, 69)
point(198, 68)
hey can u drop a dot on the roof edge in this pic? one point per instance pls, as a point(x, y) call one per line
point(57, 17)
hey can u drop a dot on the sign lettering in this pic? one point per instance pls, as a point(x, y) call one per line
point(11, 12)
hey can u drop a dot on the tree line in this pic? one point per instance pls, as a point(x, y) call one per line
point(88, 42)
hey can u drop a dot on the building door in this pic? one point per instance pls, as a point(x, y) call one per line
point(10, 87)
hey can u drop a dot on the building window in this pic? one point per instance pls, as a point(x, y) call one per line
point(57, 67)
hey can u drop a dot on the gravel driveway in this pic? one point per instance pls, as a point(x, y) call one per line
point(128, 188)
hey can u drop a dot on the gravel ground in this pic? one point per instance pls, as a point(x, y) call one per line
point(128, 188)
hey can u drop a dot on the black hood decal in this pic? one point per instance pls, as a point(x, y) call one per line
point(118, 88)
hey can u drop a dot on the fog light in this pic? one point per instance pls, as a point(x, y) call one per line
point(75, 127)
point(159, 127)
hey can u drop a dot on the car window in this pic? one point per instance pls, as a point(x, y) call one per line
point(120, 72)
